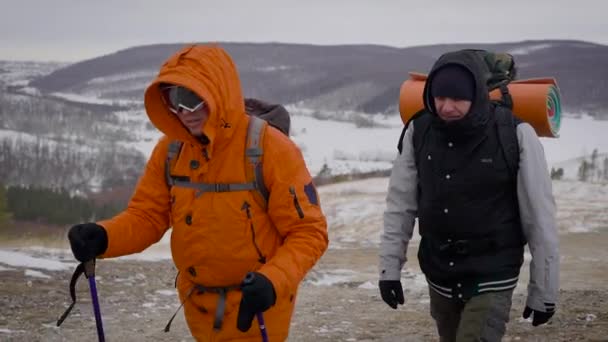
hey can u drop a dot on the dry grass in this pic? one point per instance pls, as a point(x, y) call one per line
point(26, 234)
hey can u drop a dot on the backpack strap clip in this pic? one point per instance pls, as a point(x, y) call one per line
point(506, 97)
point(173, 151)
point(222, 187)
point(254, 170)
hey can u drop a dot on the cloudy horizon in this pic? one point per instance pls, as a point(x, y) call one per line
point(78, 30)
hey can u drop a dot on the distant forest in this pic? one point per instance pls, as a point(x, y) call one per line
point(56, 119)
point(65, 162)
point(63, 166)
point(49, 206)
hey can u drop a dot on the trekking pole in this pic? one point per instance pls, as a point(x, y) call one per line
point(89, 271)
point(88, 268)
point(259, 315)
point(263, 331)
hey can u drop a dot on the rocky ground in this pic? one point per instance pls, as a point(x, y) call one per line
point(337, 302)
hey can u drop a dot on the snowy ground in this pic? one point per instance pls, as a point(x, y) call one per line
point(346, 148)
point(338, 300)
point(341, 145)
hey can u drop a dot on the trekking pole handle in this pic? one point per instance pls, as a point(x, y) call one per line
point(259, 315)
point(249, 278)
point(89, 268)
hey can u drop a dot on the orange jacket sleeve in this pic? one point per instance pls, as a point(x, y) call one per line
point(295, 210)
point(147, 216)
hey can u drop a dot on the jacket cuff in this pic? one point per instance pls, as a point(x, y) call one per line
point(280, 283)
point(390, 273)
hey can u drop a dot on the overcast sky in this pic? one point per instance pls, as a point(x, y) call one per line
point(72, 30)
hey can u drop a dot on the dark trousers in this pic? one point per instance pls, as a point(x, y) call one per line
point(482, 318)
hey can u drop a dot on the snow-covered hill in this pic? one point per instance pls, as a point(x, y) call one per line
point(346, 148)
point(20, 73)
point(363, 78)
point(339, 143)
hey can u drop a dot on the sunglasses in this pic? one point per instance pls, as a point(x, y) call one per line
point(177, 98)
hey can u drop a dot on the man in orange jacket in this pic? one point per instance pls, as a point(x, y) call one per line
point(221, 232)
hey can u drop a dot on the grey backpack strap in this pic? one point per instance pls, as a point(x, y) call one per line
point(405, 126)
point(174, 147)
point(201, 188)
point(254, 171)
point(254, 153)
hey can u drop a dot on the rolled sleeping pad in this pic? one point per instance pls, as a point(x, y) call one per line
point(535, 101)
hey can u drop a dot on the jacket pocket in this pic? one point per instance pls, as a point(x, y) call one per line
point(247, 209)
point(296, 203)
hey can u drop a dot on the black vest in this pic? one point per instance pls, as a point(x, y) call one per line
point(467, 205)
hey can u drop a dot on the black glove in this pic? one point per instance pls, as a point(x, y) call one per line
point(539, 317)
point(258, 296)
point(88, 240)
point(391, 292)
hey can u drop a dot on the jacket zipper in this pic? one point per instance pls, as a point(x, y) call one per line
point(246, 207)
point(292, 191)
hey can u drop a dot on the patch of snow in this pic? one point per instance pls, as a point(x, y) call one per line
point(333, 277)
point(322, 330)
point(21, 259)
point(36, 274)
point(590, 317)
point(368, 285)
point(528, 49)
point(272, 68)
point(524, 320)
point(123, 76)
point(29, 90)
point(344, 147)
point(577, 137)
point(166, 292)
point(54, 326)
point(159, 251)
point(354, 211)
point(94, 100)
point(15, 135)
point(9, 331)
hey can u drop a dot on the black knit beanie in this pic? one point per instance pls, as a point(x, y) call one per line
point(453, 81)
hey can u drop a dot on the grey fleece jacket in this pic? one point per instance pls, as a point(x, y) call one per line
point(536, 205)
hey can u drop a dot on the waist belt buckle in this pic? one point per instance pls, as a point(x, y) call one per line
point(461, 247)
point(221, 187)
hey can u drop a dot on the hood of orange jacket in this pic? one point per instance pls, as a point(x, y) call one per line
point(210, 72)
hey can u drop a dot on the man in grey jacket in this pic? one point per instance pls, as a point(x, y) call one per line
point(475, 214)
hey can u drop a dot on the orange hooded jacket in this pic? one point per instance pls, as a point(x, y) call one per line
point(214, 239)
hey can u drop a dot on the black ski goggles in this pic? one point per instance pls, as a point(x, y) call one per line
point(178, 97)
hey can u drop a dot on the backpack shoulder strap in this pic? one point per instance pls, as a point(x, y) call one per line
point(507, 135)
point(423, 124)
point(253, 167)
point(254, 151)
point(407, 124)
point(175, 147)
